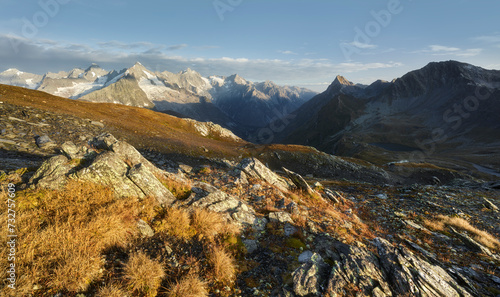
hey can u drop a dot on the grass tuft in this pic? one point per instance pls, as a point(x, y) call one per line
point(480, 236)
point(223, 265)
point(189, 286)
point(143, 275)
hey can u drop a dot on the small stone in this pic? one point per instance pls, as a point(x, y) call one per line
point(256, 187)
point(488, 204)
point(381, 196)
point(280, 216)
point(251, 245)
point(289, 229)
point(98, 124)
point(305, 257)
point(145, 229)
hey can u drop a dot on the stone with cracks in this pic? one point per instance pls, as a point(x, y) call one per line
point(359, 268)
point(110, 170)
point(124, 150)
point(52, 174)
point(253, 168)
point(298, 180)
point(408, 274)
point(212, 199)
point(150, 185)
point(309, 279)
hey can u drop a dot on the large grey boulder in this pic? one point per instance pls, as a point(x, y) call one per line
point(52, 174)
point(124, 150)
point(110, 162)
point(149, 184)
point(253, 168)
point(108, 169)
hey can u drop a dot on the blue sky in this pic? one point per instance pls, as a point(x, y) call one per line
point(305, 43)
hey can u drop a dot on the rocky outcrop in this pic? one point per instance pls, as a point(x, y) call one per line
point(252, 167)
point(356, 271)
point(308, 280)
point(298, 180)
point(108, 161)
point(210, 198)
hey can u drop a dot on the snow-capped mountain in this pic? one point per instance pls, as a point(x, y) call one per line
point(231, 101)
point(18, 78)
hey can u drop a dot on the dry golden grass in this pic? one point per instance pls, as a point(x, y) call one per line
point(480, 236)
point(111, 290)
point(180, 189)
point(62, 235)
point(143, 275)
point(189, 286)
point(223, 265)
point(184, 225)
point(175, 222)
point(207, 223)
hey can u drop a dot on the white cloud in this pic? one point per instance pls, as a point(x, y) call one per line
point(441, 50)
point(356, 67)
point(177, 47)
point(360, 45)
point(494, 38)
point(287, 53)
point(43, 56)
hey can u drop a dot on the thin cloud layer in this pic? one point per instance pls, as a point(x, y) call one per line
point(441, 50)
point(40, 56)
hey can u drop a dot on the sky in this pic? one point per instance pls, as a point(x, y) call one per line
point(304, 43)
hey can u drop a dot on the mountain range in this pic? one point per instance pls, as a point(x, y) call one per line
point(230, 101)
point(446, 113)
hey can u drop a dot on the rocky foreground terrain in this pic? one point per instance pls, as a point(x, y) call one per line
point(297, 237)
point(343, 227)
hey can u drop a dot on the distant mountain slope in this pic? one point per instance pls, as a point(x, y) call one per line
point(443, 108)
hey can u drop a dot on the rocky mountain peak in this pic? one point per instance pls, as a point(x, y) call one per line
point(237, 79)
point(93, 67)
point(340, 80)
point(138, 71)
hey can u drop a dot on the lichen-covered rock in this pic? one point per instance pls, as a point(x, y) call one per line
point(150, 185)
point(211, 198)
point(71, 150)
point(52, 174)
point(409, 274)
point(358, 268)
point(124, 150)
point(110, 170)
point(252, 167)
point(280, 217)
point(309, 279)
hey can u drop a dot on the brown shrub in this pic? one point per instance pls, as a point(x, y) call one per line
point(110, 290)
point(180, 189)
point(223, 265)
point(481, 236)
point(189, 286)
point(176, 222)
point(143, 275)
